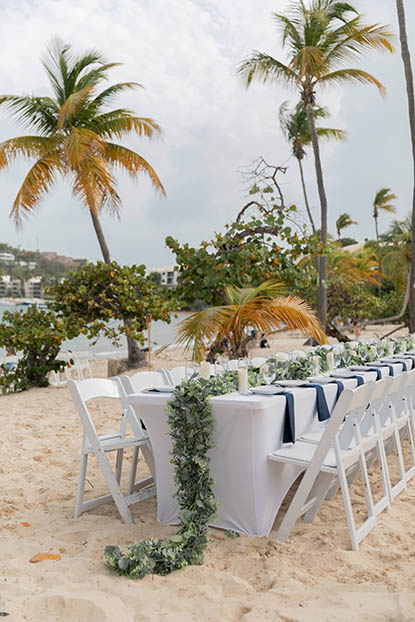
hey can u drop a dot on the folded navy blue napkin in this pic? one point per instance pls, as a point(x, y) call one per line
point(378, 372)
point(323, 412)
point(289, 418)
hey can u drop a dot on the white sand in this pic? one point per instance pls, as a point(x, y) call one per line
point(312, 577)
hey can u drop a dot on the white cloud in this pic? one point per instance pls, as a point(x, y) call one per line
point(185, 53)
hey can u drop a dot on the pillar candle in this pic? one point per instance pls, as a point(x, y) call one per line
point(205, 370)
point(316, 363)
point(243, 380)
point(330, 361)
point(373, 351)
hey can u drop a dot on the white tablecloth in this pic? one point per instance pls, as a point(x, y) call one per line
point(249, 488)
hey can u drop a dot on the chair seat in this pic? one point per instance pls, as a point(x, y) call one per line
point(115, 442)
point(302, 453)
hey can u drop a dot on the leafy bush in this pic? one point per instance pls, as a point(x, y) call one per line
point(37, 336)
point(99, 293)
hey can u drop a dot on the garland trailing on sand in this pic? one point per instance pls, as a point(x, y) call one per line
point(192, 426)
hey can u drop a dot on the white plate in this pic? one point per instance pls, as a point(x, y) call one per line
point(291, 383)
point(163, 389)
point(266, 390)
point(360, 367)
point(320, 379)
point(342, 374)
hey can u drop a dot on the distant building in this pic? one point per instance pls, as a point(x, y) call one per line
point(49, 255)
point(168, 275)
point(6, 257)
point(33, 287)
point(10, 287)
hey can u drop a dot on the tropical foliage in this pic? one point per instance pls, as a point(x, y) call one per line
point(265, 244)
point(36, 336)
point(342, 222)
point(100, 293)
point(320, 38)
point(383, 203)
point(261, 308)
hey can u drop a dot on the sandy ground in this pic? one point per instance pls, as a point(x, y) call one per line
point(312, 577)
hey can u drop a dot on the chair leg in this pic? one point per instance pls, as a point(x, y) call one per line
point(133, 470)
point(319, 490)
point(118, 465)
point(348, 509)
point(114, 488)
point(81, 485)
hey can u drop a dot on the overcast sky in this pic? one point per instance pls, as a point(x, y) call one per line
point(185, 53)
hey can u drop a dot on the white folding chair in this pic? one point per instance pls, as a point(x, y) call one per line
point(136, 383)
point(394, 424)
point(83, 367)
point(371, 442)
point(333, 458)
point(81, 392)
point(176, 375)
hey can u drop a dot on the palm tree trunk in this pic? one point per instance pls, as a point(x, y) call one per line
point(375, 216)
point(101, 238)
point(406, 58)
point(307, 205)
point(322, 282)
point(135, 354)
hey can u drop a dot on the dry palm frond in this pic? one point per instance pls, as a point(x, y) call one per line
point(261, 308)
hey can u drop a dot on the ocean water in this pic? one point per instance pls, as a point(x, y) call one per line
point(161, 334)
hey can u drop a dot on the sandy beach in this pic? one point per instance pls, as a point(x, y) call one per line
point(313, 577)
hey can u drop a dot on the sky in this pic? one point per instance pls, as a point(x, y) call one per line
point(185, 53)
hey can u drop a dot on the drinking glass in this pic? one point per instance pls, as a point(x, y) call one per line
point(268, 370)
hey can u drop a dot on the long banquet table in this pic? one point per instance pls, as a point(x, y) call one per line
point(249, 488)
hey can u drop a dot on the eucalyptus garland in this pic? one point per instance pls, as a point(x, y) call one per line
point(191, 428)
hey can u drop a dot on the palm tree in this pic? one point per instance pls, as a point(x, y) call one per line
point(74, 139)
point(74, 136)
point(319, 40)
point(406, 58)
point(395, 259)
point(343, 221)
point(383, 202)
point(295, 128)
point(261, 308)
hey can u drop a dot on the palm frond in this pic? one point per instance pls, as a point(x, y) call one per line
point(200, 328)
point(352, 75)
point(41, 113)
point(265, 68)
point(38, 181)
point(25, 146)
point(132, 163)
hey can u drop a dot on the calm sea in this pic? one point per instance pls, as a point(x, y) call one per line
point(161, 334)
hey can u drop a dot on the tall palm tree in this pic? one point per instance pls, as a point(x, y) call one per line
point(383, 202)
point(319, 39)
point(343, 221)
point(74, 137)
point(74, 133)
point(294, 125)
point(406, 58)
point(261, 308)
